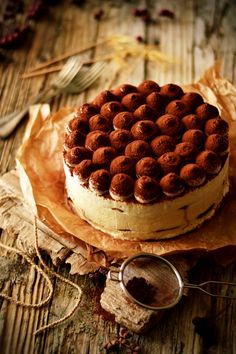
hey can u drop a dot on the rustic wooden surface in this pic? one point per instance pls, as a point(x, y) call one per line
point(201, 32)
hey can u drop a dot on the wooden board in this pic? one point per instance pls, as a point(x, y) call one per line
point(200, 33)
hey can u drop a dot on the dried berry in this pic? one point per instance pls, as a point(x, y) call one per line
point(124, 333)
point(98, 14)
point(36, 11)
point(167, 13)
point(123, 341)
point(15, 38)
point(140, 39)
point(144, 12)
point(113, 344)
point(145, 16)
point(136, 12)
point(25, 28)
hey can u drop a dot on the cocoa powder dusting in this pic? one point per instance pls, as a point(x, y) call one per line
point(141, 290)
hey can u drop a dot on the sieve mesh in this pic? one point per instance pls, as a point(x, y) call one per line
point(151, 282)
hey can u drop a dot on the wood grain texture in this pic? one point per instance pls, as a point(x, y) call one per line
point(201, 32)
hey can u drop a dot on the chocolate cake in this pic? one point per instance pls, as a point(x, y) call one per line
point(146, 162)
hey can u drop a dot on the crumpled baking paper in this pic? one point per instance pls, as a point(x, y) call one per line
point(39, 162)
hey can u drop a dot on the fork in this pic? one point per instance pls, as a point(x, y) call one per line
point(81, 81)
point(85, 78)
point(9, 122)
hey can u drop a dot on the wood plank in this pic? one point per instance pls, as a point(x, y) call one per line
point(201, 32)
point(175, 37)
point(213, 34)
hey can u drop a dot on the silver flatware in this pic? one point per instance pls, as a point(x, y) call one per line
point(9, 122)
point(85, 77)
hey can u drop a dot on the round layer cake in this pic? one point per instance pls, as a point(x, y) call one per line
point(146, 162)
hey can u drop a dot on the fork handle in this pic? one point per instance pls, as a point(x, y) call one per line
point(7, 127)
point(10, 116)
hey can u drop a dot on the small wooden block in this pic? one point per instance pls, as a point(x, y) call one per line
point(127, 313)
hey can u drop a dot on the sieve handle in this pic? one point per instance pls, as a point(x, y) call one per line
point(115, 276)
point(201, 288)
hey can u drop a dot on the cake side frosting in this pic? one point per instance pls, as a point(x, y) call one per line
point(153, 221)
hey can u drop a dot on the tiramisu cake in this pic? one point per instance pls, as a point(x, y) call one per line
point(146, 162)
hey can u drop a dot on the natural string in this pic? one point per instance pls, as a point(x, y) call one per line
point(65, 280)
point(45, 276)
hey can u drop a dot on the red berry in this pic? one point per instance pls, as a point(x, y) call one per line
point(146, 18)
point(140, 39)
point(144, 12)
point(9, 38)
point(36, 11)
point(25, 28)
point(3, 41)
point(167, 13)
point(98, 14)
point(14, 36)
point(136, 12)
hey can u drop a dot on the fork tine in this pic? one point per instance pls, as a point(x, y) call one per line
point(66, 69)
point(68, 72)
point(84, 76)
point(83, 85)
point(71, 61)
point(86, 84)
point(87, 78)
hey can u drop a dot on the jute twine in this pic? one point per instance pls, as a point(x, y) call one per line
point(48, 281)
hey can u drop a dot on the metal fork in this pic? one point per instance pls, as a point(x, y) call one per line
point(9, 122)
point(85, 78)
point(81, 81)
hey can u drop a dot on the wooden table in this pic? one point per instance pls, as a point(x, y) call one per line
point(200, 33)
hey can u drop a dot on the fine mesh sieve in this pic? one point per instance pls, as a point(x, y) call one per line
point(154, 283)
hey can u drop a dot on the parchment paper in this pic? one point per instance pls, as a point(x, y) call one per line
point(39, 161)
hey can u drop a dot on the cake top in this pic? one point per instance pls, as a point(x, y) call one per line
point(144, 142)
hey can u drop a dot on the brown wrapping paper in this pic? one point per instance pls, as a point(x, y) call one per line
point(39, 161)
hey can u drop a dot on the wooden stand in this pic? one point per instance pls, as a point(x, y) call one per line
point(126, 312)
